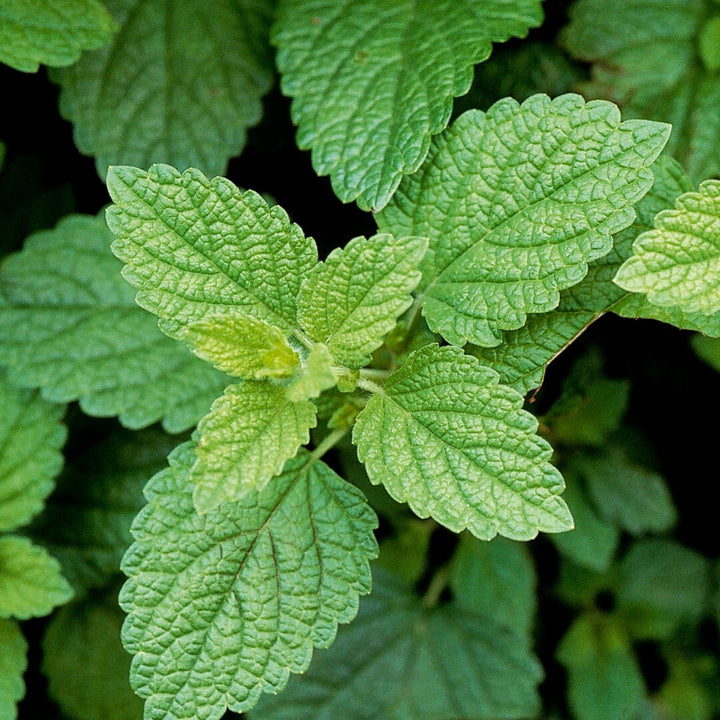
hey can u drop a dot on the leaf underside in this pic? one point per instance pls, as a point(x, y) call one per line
point(246, 591)
point(516, 202)
point(353, 70)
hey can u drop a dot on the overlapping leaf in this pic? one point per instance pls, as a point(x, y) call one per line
point(13, 661)
point(430, 664)
point(516, 202)
point(51, 32)
point(371, 82)
point(649, 57)
point(245, 439)
point(195, 247)
point(353, 299)
point(678, 262)
point(448, 439)
point(246, 591)
point(180, 83)
point(31, 435)
point(70, 326)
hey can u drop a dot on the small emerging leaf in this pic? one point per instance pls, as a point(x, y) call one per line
point(245, 439)
point(315, 376)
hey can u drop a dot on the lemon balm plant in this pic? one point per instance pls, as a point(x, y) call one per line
point(391, 378)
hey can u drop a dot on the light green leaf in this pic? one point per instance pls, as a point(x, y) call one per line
point(678, 263)
point(604, 680)
point(649, 58)
point(448, 439)
point(70, 326)
point(419, 663)
point(245, 439)
point(516, 202)
point(30, 581)
point(497, 581)
point(353, 299)
point(13, 662)
point(243, 346)
point(31, 436)
point(225, 606)
point(180, 83)
point(316, 375)
point(86, 521)
point(87, 635)
point(353, 70)
point(194, 247)
point(51, 32)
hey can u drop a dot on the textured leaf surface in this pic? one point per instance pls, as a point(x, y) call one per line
point(13, 661)
point(245, 439)
point(678, 263)
point(86, 521)
point(87, 635)
point(31, 436)
point(431, 664)
point(448, 439)
point(180, 83)
point(316, 375)
point(224, 606)
point(496, 580)
point(194, 247)
point(516, 202)
point(51, 32)
point(604, 680)
point(647, 56)
point(353, 299)
point(354, 69)
point(30, 581)
point(242, 346)
point(70, 326)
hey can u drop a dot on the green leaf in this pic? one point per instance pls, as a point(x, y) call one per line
point(180, 83)
point(419, 663)
point(707, 349)
point(678, 263)
point(195, 247)
point(86, 521)
point(516, 202)
point(604, 680)
point(448, 439)
point(315, 376)
point(405, 552)
point(71, 327)
point(353, 299)
point(31, 436)
point(224, 606)
point(87, 635)
point(355, 69)
point(245, 440)
point(709, 44)
point(13, 662)
point(243, 346)
point(51, 32)
point(30, 581)
point(497, 581)
point(650, 58)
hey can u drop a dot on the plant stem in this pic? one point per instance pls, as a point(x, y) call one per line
point(438, 583)
point(329, 441)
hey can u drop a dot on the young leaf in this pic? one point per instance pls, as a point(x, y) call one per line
point(678, 262)
point(13, 662)
point(225, 606)
point(371, 82)
point(31, 435)
point(87, 635)
point(316, 375)
point(353, 299)
point(180, 83)
point(30, 581)
point(649, 58)
point(51, 32)
point(516, 202)
point(195, 247)
point(70, 326)
point(448, 439)
point(243, 346)
point(245, 439)
point(430, 664)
